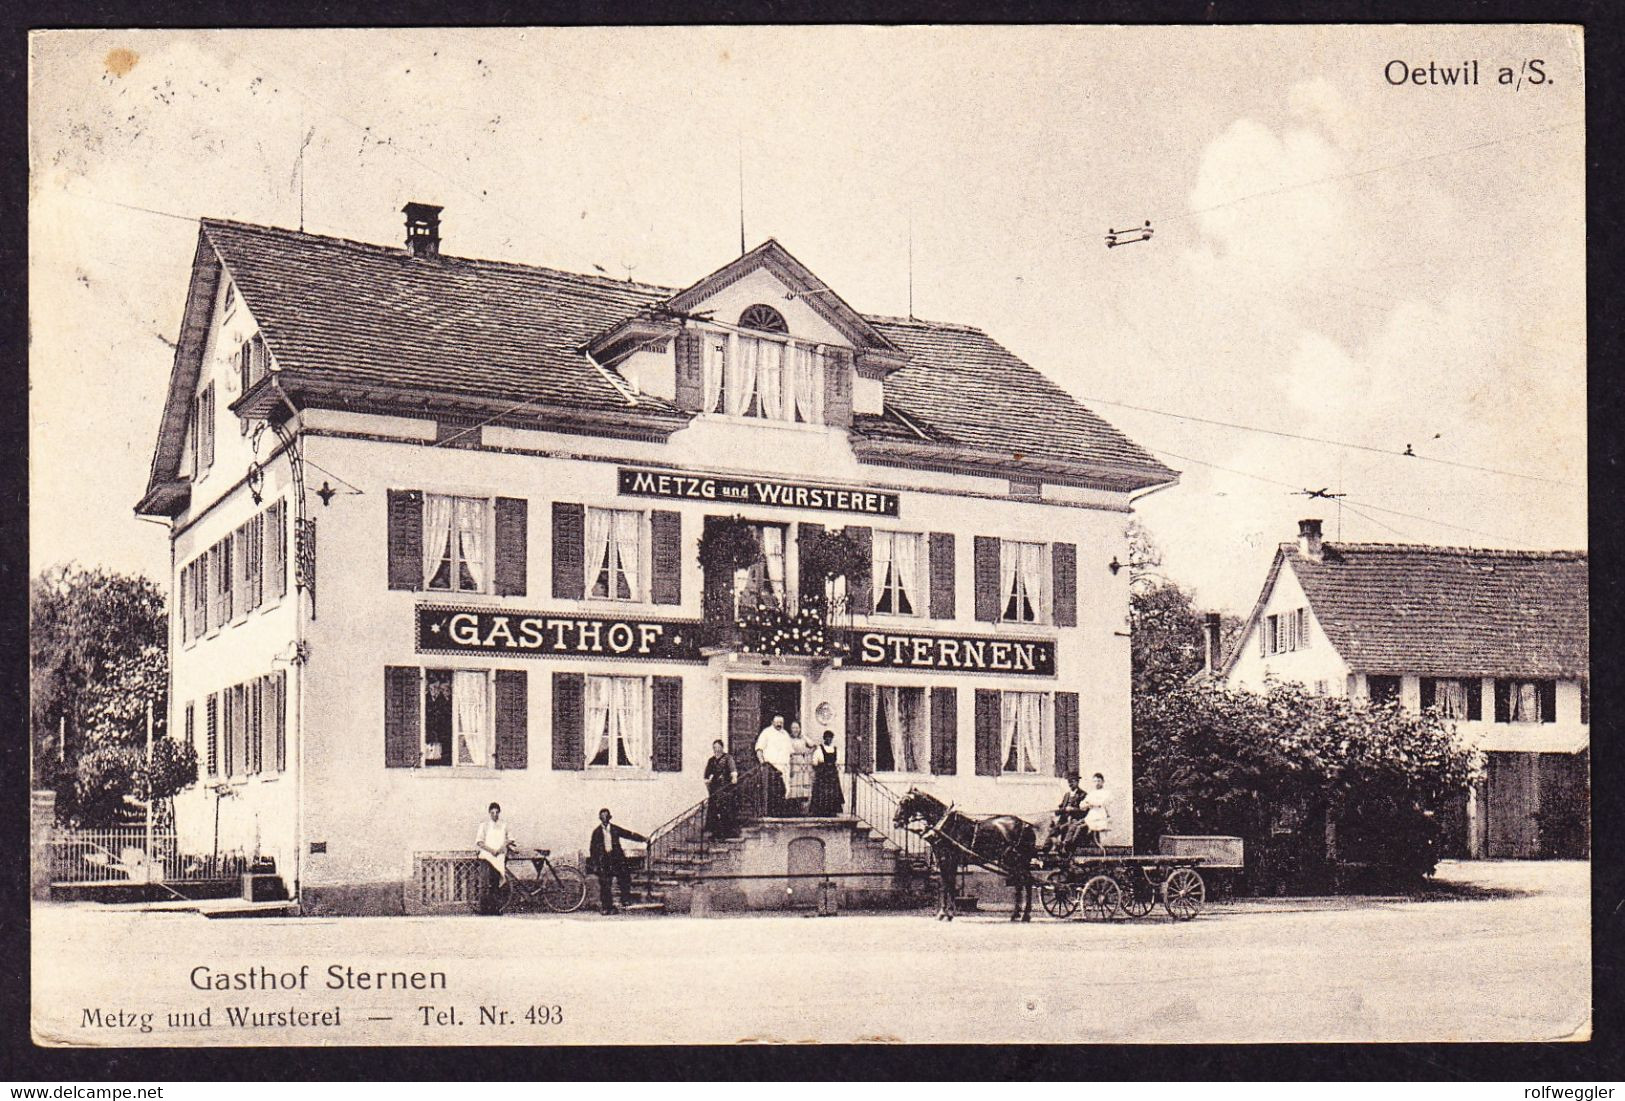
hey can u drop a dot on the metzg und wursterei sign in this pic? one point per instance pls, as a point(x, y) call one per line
point(771, 492)
point(539, 634)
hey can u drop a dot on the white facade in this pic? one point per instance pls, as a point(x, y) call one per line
point(344, 827)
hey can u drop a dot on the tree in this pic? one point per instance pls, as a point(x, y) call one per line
point(1165, 627)
point(97, 657)
point(1304, 780)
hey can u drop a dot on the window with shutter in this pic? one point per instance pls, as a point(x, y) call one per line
point(512, 539)
point(986, 548)
point(569, 533)
point(1064, 561)
point(191, 727)
point(512, 733)
point(1066, 733)
point(898, 572)
point(944, 730)
point(942, 575)
point(987, 733)
point(1021, 581)
point(666, 557)
point(667, 699)
point(403, 701)
point(860, 726)
point(568, 689)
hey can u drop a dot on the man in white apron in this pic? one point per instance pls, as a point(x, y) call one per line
point(492, 844)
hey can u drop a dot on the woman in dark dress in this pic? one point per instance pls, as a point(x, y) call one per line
point(826, 784)
point(719, 808)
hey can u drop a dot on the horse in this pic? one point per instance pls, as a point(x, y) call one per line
point(1001, 842)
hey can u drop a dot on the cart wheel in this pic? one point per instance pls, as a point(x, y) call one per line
point(563, 888)
point(1101, 898)
point(1059, 897)
point(1137, 903)
point(1183, 893)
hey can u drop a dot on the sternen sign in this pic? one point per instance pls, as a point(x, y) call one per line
point(770, 492)
point(443, 630)
point(952, 653)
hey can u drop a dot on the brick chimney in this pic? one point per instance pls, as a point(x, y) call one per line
point(422, 229)
point(1210, 637)
point(1309, 539)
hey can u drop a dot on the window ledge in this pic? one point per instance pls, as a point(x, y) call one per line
point(1027, 779)
point(626, 774)
point(466, 771)
point(764, 422)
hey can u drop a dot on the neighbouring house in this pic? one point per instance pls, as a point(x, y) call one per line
point(437, 539)
point(1496, 640)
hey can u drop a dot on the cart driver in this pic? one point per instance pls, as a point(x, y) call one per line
point(1067, 818)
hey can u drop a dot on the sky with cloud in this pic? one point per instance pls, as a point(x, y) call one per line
point(1334, 258)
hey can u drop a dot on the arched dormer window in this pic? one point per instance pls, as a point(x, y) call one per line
point(764, 319)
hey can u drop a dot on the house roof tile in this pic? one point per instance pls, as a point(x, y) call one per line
point(345, 311)
point(1450, 611)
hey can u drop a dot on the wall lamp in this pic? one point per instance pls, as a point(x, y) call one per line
point(1114, 565)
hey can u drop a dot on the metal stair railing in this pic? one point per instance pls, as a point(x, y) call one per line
point(685, 834)
point(874, 805)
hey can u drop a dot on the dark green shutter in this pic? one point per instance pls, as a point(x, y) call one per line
point(690, 370)
point(719, 586)
point(1547, 690)
point(944, 730)
point(668, 724)
point(1430, 692)
point(1064, 569)
point(1503, 701)
point(513, 542)
point(403, 729)
point(838, 388)
point(987, 578)
point(666, 557)
point(568, 718)
point(807, 537)
point(860, 727)
point(405, 539)
point(512, 728)
point(279, 713)
point(860, 589)
point(1066, 733)
point(987, 733)
point(569, 554)
point(1475, 699)
point(942, 575)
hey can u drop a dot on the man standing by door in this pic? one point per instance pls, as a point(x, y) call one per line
point(607, 860)
point(774, 746)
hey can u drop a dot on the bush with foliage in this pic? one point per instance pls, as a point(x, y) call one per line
point(1304, 780)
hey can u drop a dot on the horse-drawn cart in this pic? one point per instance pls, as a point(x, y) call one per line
point(1106, 886)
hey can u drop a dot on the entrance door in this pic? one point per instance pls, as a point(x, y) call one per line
point(752, 704)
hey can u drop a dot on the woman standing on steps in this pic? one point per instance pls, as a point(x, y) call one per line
point(720, 774)
point(826, 781)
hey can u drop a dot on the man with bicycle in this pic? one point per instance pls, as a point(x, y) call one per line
point(492, 843)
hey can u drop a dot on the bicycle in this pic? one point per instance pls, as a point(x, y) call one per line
point(559, 887)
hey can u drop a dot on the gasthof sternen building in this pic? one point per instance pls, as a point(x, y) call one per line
point(450, 531)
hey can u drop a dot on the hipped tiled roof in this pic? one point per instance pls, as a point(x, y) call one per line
point(1450, 611)
point(344, 311)
point(352, 312)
